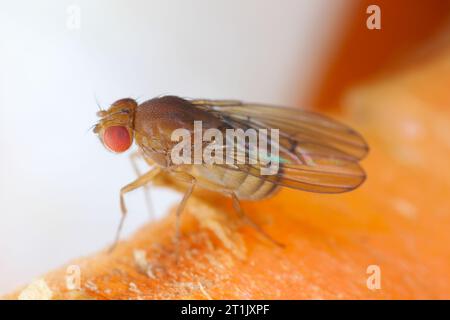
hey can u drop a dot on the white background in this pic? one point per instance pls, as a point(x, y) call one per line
point(58, 185)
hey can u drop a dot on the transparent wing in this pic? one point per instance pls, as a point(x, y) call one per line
point(299, 125)
point(316, 153)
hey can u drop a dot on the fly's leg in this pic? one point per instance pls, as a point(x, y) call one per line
point(139, 182)
point(222, 103)
point(148, 201)
point(189, 179)
point(237, 207)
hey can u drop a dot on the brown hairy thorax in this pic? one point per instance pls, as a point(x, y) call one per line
point(156, 119)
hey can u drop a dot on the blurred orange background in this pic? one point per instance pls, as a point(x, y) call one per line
point(393, 86)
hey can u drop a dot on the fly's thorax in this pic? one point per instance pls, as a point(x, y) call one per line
point(157, 119)
point(160, 116)
point(153, 149)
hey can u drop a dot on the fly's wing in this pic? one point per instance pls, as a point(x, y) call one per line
point(296, 124)
point(316, 153)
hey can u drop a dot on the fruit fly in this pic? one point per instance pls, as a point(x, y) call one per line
point(316, 153)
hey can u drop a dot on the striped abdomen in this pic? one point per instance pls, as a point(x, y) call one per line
point(245, 186)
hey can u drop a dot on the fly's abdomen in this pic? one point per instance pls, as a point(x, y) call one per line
point(244, 185)
point(253, 188)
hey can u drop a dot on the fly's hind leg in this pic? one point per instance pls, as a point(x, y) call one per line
point(148, 201)
point(237, 207)
point(139, 182)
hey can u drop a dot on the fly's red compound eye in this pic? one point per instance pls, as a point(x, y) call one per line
point(117, 138)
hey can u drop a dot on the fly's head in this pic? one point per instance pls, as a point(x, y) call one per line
point(115, 128)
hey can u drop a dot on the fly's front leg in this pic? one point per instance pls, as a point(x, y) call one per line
point(192, 181)
point(148, 201)
point(139, 182)
point(237, 207)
